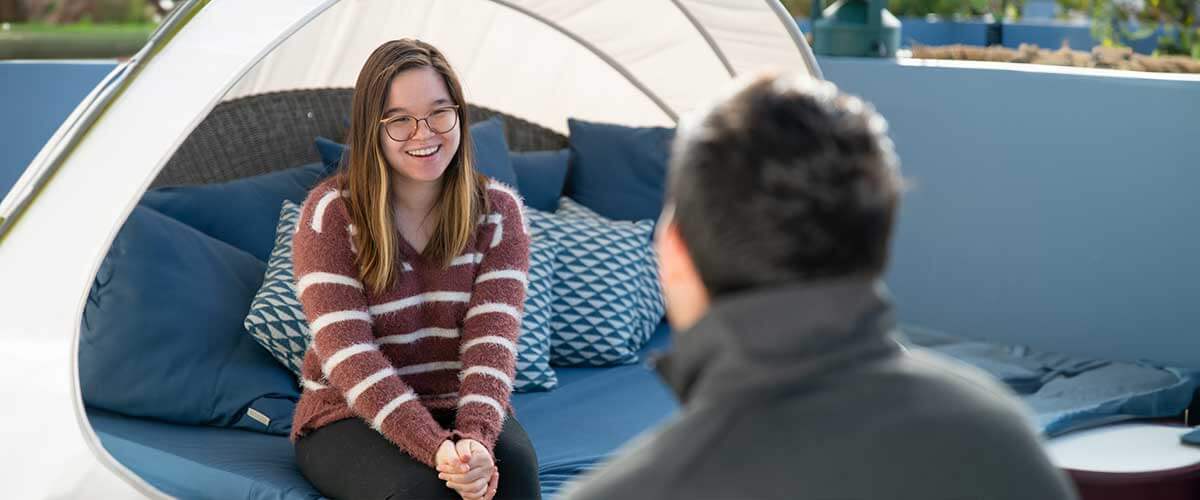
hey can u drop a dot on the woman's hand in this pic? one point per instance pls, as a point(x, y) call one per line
point(447, 459)
point(480, 477)
point(452, 465)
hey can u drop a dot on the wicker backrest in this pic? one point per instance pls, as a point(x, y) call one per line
point(266, 132)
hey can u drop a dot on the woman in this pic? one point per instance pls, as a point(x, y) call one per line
point(411, 268)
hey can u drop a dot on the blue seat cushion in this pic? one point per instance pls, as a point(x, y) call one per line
point(162, 336)
point(1068, 393)
point(188, 461)
point(592, 413)
point(573, 428)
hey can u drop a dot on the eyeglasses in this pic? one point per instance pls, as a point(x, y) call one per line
point(403, 127)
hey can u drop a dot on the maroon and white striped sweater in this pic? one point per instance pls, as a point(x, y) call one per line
point(438, 339)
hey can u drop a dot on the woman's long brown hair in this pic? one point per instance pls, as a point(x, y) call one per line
point(367, 176)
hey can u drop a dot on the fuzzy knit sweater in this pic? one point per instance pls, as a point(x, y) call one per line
point(440, 338)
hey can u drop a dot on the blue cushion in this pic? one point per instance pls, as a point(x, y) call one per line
point(491, 151)
point(592, 413)
point(276, 318)
point(331, 152)
point(608, 301)
point(573, 429)
point(618, 171)
point(240, 212)
point(162, 332)
point(533, 348)
point(188, 461)
point(542, 175)
point(1070, 393)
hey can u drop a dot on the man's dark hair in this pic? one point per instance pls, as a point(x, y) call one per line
point(786, 180)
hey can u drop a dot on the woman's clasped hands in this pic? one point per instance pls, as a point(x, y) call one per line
point(468, 468)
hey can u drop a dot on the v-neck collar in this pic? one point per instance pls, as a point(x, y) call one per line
point(413, 257)
point(407, 248)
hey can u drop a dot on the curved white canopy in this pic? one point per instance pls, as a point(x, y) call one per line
point(619, 61)
point(625, 61)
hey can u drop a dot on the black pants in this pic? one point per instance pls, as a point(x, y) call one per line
point(349, 460)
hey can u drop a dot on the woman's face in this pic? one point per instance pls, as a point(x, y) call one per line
point(419, 93)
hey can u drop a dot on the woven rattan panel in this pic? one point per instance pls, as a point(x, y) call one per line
point(267, 132)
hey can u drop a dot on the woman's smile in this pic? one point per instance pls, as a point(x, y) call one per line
point(425, 151)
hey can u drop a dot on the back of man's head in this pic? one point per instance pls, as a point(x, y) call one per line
point(786, 180)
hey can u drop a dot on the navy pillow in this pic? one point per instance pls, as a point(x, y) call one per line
point(491, 151)
point(542, 175)
point(331, 152)
point(162, 333)
point(617, 171)
point(242, 212)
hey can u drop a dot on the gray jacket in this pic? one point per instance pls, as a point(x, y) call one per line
point(801, 392)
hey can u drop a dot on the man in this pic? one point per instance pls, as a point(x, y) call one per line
point(781, 203)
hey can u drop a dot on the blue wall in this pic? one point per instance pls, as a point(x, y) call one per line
point(35, 98)
point(1058, 210)
point(1045, 34)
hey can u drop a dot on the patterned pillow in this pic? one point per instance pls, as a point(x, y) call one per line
point(276, 319)
point(608, 297)
point(533, 349)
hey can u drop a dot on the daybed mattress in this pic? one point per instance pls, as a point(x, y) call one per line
point(590, 414)
point(595, 410)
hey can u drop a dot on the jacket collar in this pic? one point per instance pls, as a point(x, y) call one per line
point(770, 339)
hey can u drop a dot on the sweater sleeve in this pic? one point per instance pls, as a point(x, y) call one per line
point(493, 322)
point(340, 326)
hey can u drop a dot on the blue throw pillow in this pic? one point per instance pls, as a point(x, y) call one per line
point(542, 175)
point(162, 332)
point(276, 318)
point(608, 301)
point(331, 152)
point(533, 348)
point(491, 151)
point(617, 171)
point(240, 212)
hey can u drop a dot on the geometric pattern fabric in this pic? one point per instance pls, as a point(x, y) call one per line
point(276, 319)
point(607, 300)
point(533, 348)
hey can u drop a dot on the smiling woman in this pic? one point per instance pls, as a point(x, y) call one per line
point(441, 262)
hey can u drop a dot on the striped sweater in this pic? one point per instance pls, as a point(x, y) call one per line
point(440, 338)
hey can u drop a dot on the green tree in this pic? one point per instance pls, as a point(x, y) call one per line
point(798, 8)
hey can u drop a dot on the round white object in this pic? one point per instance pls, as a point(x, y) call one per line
point(1124, 448)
